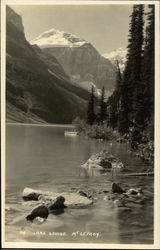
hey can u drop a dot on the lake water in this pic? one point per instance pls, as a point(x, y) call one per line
point(43, 158)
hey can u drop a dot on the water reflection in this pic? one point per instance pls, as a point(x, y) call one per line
point(93, 172)
point(43, 158)
point(57, 211)
point(90, 172)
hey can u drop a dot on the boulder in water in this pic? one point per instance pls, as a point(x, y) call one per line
point(30, 194)
point(40, 211)
point(133, 198)
point(103, 160)
point(82, 193)
point(40, 220)
point(58, 204)
point(134, 191)
point(116, 188)
point(118, 203)
point(53, 200)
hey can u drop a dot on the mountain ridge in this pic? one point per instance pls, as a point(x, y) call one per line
point(30, 88)
point(79, 58)
point(117, 55)
point(57, 38)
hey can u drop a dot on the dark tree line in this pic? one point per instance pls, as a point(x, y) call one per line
point(131, 106)
point(100, 115)
point(130, 109)
point(91, 117)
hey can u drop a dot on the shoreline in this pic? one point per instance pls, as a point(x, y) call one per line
point(140, 152)
point(39, 125)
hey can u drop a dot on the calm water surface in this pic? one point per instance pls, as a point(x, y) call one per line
point(43, 158)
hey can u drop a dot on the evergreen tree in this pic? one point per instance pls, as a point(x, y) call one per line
point(102, 112)
point(90, 113)
point(138, 119)
point(115, 100)
point(148, 66)
point(123, 120)
point(127, 84)
point(144, 117)
point(113, 110)
point(135, 60)
point(132, 87)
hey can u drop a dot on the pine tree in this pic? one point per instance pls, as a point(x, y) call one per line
point(135, 61)
point(102, 112)
point(90, 113)
point(132, 87)
point(138, 107)
point(144, 115)
point(127, 82)
point(148, 66)
point(123, 119)
point(113, 110)
point(115, 100)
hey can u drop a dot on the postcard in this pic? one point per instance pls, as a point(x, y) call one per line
point(80, 146)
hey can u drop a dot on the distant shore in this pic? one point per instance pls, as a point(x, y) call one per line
point(39, 124)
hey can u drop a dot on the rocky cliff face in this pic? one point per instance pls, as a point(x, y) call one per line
point(80, 60)
point(37, 88)
point(15, 19)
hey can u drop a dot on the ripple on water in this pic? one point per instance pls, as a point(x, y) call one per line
point(53, 164)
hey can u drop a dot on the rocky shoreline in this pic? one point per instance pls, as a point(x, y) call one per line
point(144, 151)
point(44, 203)
point(41, 203)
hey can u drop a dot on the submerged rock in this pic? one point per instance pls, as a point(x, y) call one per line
point(85, 194)
point(40, 219)
point(58, 204)
point(131, 199)
point(30, 194)
point(82, 193)
point(103, 160)
point(116, 188)
point(54, 203)
point(118, 203)
point(133, 191)
point(57, 200)
point(40, 211)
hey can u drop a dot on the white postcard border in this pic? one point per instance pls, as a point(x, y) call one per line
point(156, 244)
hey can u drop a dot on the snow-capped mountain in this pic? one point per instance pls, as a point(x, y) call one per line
point(37, 90)
point(79, 58)
point(117, 55)
point(57, 38)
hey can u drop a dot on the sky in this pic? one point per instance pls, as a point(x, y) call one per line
point(105, 26)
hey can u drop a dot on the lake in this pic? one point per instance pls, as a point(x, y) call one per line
point(41, 157)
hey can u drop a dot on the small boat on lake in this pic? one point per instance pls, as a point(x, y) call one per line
point(71, 133)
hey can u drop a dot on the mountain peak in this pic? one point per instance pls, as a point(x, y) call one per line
point(57, 38)
point(120, 52)
point(117, 54)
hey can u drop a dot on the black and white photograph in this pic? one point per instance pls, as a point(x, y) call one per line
point(80, 99)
